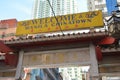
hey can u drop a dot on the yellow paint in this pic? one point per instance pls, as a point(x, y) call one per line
point(60, 57)
point(34, 58)
point(48, 58)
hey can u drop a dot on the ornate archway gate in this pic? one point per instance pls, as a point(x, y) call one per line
point(60, 50)
point(60, 58)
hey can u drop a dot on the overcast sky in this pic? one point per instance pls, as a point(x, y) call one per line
point(22, 9)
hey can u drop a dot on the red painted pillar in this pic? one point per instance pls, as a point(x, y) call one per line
point(98, 53)
point(11, 59)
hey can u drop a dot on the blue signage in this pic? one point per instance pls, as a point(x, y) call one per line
point(111, 6)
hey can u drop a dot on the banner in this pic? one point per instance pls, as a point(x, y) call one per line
point(64, 22)
point(111, 6)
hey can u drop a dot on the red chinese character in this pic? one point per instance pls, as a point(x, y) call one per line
point(76, 25)
point(48, 29)
point(31, 30)
point(57, 27)
point(66, 26)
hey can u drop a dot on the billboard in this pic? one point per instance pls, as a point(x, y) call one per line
point(64, 22)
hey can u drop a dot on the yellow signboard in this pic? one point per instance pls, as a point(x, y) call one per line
point(64, 22)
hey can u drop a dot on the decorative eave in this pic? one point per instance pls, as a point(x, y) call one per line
point(75, 36)
point(110, 50)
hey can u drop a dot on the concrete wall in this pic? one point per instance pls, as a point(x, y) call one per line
point(7, 29)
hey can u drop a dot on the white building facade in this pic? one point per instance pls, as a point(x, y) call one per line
point(72, 73)
point(98, 5)
point(42, 9)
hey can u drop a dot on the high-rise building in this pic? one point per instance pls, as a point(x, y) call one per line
point(42, 9)
point(98, 5)
point(72, 73)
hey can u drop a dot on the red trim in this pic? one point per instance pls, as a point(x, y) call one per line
point(4, 48)
point(98, 53)
point(107, 40)
point(11, 59)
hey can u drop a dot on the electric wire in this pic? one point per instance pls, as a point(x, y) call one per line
point(55, 16)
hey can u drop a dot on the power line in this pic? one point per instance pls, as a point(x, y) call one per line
point(55, 16)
